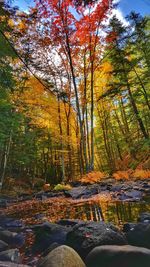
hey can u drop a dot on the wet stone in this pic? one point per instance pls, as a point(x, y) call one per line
point(139, 235)
point(62, 256)
point(11, 264)
point(118, 256)
point(12, 238)
point(12, 255)
point(3, 245)
point(48, 233)
point(86, 235)
point(144, 217)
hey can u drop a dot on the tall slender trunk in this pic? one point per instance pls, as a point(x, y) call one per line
point(117, 143)
point(83, 141)
point(143, 87)
point(124, 129)
point(103, 123)
point(132, 101)
point(80, 158)
point(69, 148)
point(136, 112)
point(85, 112)
point(6, 155)
point(61, 140)
point(92, 116)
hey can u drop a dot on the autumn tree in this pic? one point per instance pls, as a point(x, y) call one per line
point(72, 34)
point(126, 91)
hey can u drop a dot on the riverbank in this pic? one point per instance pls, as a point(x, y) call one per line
point(31, 226)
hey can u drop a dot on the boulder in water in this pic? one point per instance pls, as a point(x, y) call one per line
point(118, 256)
point(87, 235)
point(62, 256)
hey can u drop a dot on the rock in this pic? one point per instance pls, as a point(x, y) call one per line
point(44, 195)
point(146, 190)
point(41, 195)
point(144, 217)
point(83, 191)
point(4, 220)
point(134, 194)
point(11, 255)
point(8, 200)
point(33, 262)
point(75, 183)
point(55, 193)
point(62, 256)
point(128, 227)
point(3, 245)
point(12, 238)
point(118, 256)
point(116, 188)
point(126, 187)
point(137, 188)
point(86, 235)
point(139, 235)
point(145, 185)
point(3, 203)
point(14, 224)
point(10, 264)
point(77, 192)
point(8, 222)
point(24, 197)
point(69, 222)
point(50, 248)
point(47, 234)
point(39, 216)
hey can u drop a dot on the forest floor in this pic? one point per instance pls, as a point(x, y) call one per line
point(118, 202)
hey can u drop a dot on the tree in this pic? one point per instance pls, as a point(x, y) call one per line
point(75, 40)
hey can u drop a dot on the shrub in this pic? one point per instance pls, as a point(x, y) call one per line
point(141, 174)
point(60, 187)
point(121, 175)
point(92, 177)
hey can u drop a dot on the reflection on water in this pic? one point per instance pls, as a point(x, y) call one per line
point(116, 212)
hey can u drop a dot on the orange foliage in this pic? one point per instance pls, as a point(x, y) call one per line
point(141, 174)
point(46, 187)
point(119, 175)
point(93, 177)
point(129, 174)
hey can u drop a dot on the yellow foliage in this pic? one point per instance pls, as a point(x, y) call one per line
point(92, 177)
point(22, 26)
point(42, 109)
point(60, 187)
point(102, 77)
point(11, 23)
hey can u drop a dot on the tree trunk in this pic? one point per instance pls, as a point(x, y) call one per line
point(6, 155)
point(61, 140)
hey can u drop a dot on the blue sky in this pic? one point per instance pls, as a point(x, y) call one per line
point(125, 6)
point(140, 6)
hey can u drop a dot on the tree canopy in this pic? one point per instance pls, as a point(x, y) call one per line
point(74, 91)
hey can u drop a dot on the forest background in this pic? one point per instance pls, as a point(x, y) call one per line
point(74, 93)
